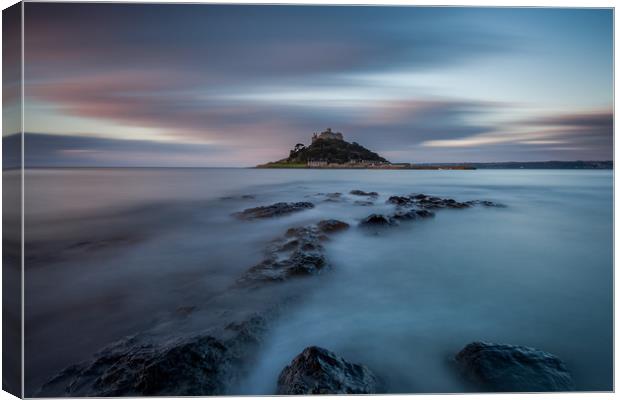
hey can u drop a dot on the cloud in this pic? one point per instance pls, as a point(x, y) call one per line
point(43, 150)
point(260, 78)
point(228, 43)
point(588, 132)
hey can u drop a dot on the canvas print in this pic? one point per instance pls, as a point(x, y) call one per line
point(230, 199)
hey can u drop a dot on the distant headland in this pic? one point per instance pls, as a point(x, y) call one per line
point(329, 150)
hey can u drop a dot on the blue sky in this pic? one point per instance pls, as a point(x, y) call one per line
point(238, 85)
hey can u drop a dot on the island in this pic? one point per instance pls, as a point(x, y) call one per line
point(329, 150)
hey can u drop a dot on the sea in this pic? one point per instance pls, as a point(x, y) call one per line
point(111, 253)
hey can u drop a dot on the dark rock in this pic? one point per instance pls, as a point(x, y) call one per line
point(298, 253)
point(400, 200)
point(362, 193)
point(274, 210)
point(374, 220)
point(188, 367)
point(143, 365)
point(424, 213)
point(410, 215)
point(363, 203)
point(319, 371)
point(485, 203)
point(332, 225)
point(508, 368)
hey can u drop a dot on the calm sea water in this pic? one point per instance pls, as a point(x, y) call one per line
point(114, 252)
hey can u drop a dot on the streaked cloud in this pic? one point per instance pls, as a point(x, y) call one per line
point(250, 81)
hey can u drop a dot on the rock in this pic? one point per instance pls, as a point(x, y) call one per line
point(332, 225)
point(485, 203)
point(274, 210)
point(362, 193)
point(298, 253)
point(400, 200)
point(188, 367)
point(424, 213)
point(374, 220)
point(411, 215)
point(145, 365)
point(508, 368)
point(363, 203)
point(433, 202)
point(319, 371)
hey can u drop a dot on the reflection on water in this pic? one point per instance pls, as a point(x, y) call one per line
point(114, 252)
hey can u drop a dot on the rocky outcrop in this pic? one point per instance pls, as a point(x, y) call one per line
point(300, 252)
point(332, 225)
point(400, 200)
point(417, 206)
point(508, 368)
point(319, 371)
point(410, 215)
point(362, 193)
point(202, 365)
point(274, 210)
point(378, 220)
point(424, 201)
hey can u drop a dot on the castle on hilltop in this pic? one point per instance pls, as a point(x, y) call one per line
point(328, 134)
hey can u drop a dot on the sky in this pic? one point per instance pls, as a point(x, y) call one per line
point(237, 85)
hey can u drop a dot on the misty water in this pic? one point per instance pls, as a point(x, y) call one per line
point(113, 252)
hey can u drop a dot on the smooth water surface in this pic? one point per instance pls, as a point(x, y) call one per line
point(111, 252)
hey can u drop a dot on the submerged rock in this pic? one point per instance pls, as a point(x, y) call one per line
point(508, 368)
point(363, 203)
point(362, 193)
point(319, 371)
point(485, 203)
point(332, 225)
point(412, 215)
point(377, 220)
point(274, 210)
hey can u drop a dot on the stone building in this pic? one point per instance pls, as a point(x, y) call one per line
point(328, 134)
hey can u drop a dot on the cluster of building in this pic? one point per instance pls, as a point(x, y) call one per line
point(349, 164)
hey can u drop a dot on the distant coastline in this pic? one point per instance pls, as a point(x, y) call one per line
point(586, 165)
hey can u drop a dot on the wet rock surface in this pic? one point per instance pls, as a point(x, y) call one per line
point(508, 368)
point(319, 371)
point(145, 366)
point(417, 206)
point(410, 215)
point(424, 201)
point(378, 220)
point(363, 193)
point(300, 252)
point(274, 210)
point(332, 225)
